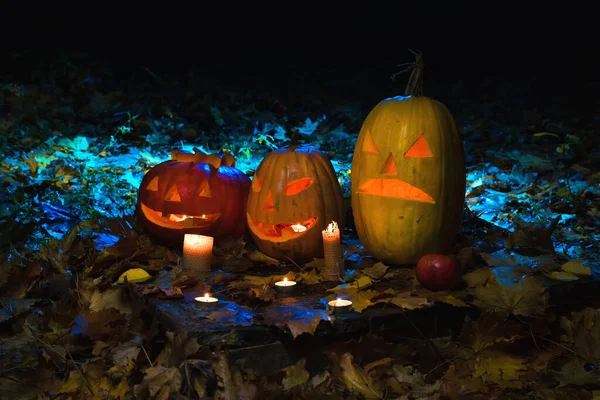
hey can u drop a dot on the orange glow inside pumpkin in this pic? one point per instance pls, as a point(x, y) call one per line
point(394, 188)
point(298, 186)
point(389, 166)
point(179, 221)
point(369, 144)
point(420, 149)
point(281, 232)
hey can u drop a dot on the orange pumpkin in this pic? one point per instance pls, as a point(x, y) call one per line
point(408, 177)
point(295, 194)
point(194, 193)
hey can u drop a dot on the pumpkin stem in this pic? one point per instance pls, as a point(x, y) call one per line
point(414, 87)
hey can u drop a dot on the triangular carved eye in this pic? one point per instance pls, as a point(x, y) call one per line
point(297, 186)
point(173, 194)
point(205, 190)
point(153, 185)
point(256, 184)
point(389, 167)
point(420, 149)
point(368, 145)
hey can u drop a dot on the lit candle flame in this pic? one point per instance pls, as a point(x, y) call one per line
point(338, 302)
point(203, 216)
point(284, 280)
point(206, 296)
point(298, 228)
point(332, 227)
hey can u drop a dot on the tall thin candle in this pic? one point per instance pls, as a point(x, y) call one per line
point(334, 261)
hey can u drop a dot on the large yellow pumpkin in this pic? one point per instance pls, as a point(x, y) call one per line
point(295, 194)
point(408, 177)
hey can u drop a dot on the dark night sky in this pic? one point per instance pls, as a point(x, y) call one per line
point(457, 38)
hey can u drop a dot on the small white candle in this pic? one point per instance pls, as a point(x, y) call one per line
point(339, 305)
point(207, 300)
point(197, 253)
point(285, 285)
point(333, 255)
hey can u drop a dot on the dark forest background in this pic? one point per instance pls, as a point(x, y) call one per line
point(241, 39)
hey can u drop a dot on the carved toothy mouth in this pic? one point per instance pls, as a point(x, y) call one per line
point(179, 221)
point(281, 232)
point(394, 188)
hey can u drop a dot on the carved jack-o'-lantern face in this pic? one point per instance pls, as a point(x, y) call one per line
point(178, 197)
point(294, 195)
point(408, 179)
point(387, 184)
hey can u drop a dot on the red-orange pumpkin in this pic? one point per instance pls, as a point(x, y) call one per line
point(194, 193)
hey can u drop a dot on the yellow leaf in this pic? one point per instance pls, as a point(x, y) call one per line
point(500, 368)
point(540, 134)
point(258, 256)
point(562, 276)
point(310, 278)
point(357, 380)
point(134, 275)
point(377, 271)
point(361, 299)
point(453, 301)
point(295, 375)
point(577, 267)
point(478, 277)
point(362, 282)
point(406, 301)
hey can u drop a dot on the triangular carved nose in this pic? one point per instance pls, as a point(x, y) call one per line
point(389, 166)
point(269, 203)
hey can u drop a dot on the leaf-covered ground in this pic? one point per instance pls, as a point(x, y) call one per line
point(76, 137)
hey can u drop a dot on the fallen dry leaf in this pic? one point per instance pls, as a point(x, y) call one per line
point(526, 297)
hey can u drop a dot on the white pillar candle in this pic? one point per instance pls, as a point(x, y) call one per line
point(334, 261)
point(197, 253)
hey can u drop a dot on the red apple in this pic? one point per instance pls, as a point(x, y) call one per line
point(438, 272)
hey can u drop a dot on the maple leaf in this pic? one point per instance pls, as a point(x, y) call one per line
point(500, 368)
point(361, 282)
point(264, 293)
point(159, 382)
point(406, 301)
point(356, 379)
point(408, 381)
point(526, 297)
point(488, 330)
point(233, 314)
point(297, 318)
point(110, 298)
point(582, 333)
point(295, 375)
point(459, 384)
point(478, 277)
point(125, 353)
point(179, 346)
point(377, 271)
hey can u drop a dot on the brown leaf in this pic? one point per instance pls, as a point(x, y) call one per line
point(457, 385)
point(159, 383)
point(178, 348)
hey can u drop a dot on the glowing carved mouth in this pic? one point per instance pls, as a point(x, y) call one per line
point(179, 221)
point(281, 232)
point(394, 188)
